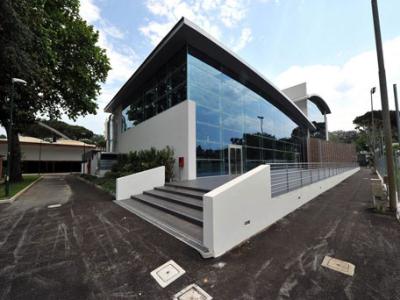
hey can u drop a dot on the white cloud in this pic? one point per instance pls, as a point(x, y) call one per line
point(89, 11)
point(346, 87)
point(211, 15)
point(244, 39)
point(232, 12)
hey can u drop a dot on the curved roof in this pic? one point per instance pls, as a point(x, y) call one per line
point(318, 101)
point(184, 34)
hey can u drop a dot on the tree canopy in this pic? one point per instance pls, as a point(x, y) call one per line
point(364, 122)
point(50, 46)
point(74, 132)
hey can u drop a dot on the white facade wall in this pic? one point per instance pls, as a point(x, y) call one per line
point(244, 206)
point(46, 152)
point(175, 127)
point(137, 183)
point(296, 92)
point(236, 210)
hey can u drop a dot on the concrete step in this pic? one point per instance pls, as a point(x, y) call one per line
point(188, 201)
point(188, 213)
point(187, 232)
point(187, 187)
point(181, 191)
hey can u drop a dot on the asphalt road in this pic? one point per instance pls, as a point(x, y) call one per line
point(91, 248)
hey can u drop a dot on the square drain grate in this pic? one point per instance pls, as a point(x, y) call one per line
point(167, 273)
point(192, 292)
point(338, 265)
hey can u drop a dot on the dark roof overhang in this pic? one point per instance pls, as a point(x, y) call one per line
point(318, 101)
point(185, 33)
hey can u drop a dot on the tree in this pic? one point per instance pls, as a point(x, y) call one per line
point(364, 122)
point(341, 136)
point(49, 45)
point(364, 127)
point(359, 138)
point(74, 132)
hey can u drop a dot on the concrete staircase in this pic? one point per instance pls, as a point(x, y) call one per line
point(175, 209)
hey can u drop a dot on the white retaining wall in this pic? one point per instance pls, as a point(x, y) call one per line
point(175, 127)
point(236, 210)
point(139, 182)
point(243, 207)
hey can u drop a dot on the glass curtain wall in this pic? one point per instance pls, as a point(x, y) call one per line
point(318, 119)
point(229, 113)
point(166, 89)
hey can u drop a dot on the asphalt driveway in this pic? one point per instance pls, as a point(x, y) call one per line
point(90, 248)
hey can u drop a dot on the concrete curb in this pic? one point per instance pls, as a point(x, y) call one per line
point(13, 198)
point(95, 185)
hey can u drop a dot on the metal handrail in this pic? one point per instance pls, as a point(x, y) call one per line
point(286, 177)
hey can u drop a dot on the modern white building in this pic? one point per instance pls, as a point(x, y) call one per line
point(218, 114)
point(241, 144)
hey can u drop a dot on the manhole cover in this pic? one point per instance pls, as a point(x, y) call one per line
point(167, 273)
point(338, 265)
point(54, 205)
point(192, 292)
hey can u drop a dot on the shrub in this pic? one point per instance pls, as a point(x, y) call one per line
point(138, 161)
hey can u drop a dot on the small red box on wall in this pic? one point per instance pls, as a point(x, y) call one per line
point(181, 162)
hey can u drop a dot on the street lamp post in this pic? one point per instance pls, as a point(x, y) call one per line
point(396, 103)
point(261, 118)
point(385, 107)
point(372, 124)
point(9, 135)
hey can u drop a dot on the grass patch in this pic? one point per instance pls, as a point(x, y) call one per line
point(106, 183)
point(18, 186)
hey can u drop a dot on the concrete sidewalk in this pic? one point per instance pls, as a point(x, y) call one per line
point(92, 249)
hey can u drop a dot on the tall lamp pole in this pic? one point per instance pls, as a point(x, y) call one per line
point(396, 102)
point(9, 135)
point(372, 123)
point(385, 107)
point(261, 118)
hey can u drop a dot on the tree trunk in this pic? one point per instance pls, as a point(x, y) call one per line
point(15, 171)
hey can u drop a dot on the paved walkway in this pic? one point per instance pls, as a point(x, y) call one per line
point(92, 249)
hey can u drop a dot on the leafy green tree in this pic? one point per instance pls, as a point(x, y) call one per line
point(364, 128)
point(50, 46)
point(74, 132)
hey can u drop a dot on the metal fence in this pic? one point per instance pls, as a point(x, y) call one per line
point(286, 177)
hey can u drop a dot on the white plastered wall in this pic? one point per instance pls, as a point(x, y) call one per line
point(137, 183)
point(175, 127)
point(243, 207)
point(48, 152)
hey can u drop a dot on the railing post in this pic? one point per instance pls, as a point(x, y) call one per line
point(319, 167)
point(301, 175)
point(287, 177)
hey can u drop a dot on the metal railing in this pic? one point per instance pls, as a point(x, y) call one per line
point(286, 177)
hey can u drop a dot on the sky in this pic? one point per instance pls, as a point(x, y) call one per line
point(328, 44)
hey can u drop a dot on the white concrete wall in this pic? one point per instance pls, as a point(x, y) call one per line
point(139, 182)
point(236, 210)
point(302, 104)
point(243, 207)
point(175, 127)
point(48, 152)
point(297, 91)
